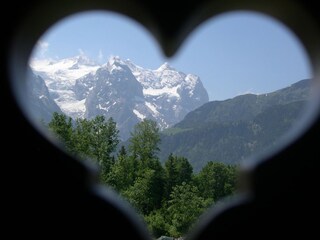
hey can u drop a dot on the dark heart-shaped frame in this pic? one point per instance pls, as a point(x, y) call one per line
point(48, 193)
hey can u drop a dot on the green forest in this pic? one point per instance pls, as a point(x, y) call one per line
point(168, 195)
point(235, 129)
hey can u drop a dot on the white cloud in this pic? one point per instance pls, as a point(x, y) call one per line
point(100, 56)
point(44, 45)
point(41, 49)
point(81, 52)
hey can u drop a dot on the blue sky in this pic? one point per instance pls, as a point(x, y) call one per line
point(234, 53)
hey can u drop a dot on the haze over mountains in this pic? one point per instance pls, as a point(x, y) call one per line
point(122, 90)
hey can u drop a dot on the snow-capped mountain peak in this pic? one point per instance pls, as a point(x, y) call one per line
point(122, 90)
point(165, 66)
point(116, 64)
point(68, 69)
point(84, 60)
point(60, 77)
point(114, 60)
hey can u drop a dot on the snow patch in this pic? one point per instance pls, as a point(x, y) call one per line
point(172, 92)
point(74, 109)
point(138, 114)
point(62, 69)
point(153, 108)
point(191, 82)
point(102, 108)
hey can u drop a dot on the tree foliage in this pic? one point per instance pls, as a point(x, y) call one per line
point(170, 196)
point(61, 126)
point(185, 207)
point(216, 180)
point(145, 139)
point(177, 171)
point(124, 171)
point(96, 139)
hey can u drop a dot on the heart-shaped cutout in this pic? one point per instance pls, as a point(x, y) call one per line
point(242, 50)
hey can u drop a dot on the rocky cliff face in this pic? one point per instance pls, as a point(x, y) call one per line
point(39, 103)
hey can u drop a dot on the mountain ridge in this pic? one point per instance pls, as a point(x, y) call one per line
point(231, 130)
point(82, 88)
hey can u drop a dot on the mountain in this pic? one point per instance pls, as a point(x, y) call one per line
point(232, 130)
point(122, 90)
point(60, 77)
point(40, 104)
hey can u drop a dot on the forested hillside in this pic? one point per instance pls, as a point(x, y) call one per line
point(231, 130)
